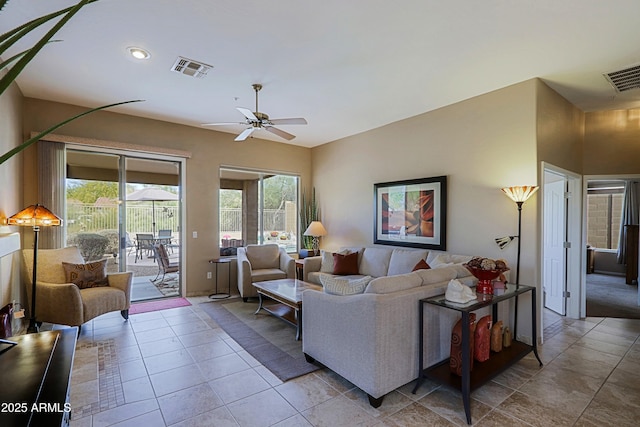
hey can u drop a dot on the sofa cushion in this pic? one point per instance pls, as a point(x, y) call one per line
point(345, 264)
point(436, 275)
point(438, 259)
point(89, 275)
point(267, 274)
point(326, 265)
point(337, 285)
point(403, 260)
point(263, 256)
point(421, 265)
point(389, 284)
point(375, 261)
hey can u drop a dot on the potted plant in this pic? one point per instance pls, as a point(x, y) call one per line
point(309, 212)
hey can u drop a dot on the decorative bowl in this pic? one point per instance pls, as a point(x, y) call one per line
point(485, 278)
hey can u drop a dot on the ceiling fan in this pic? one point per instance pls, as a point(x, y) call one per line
point(257, 120)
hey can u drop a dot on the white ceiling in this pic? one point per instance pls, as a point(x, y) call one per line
point(346, 66)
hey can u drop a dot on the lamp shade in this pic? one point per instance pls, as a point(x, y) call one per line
point(315, 229)
point(34, 215)
point(520, 194)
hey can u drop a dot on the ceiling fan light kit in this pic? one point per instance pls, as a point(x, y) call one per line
point(257, 120)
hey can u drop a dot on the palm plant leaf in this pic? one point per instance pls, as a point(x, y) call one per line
point(4, 64)
point(14, 35)
point(27, 143)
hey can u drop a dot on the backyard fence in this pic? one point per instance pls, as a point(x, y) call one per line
point(84, 217)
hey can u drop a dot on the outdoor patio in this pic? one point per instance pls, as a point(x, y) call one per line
point(144, 271)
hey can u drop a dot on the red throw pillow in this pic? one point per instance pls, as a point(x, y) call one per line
point(345, 264)
point(421, 265)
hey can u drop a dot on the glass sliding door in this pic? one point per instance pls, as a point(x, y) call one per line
point(152, 226)
point(257, 208)
point(127, 209)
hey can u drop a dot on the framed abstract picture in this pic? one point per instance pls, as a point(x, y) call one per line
point(411, 213)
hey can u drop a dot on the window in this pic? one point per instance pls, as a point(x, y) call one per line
point(257, 208)
point(604, 212)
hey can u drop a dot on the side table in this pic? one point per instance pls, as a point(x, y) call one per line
point(217, 262)
point(300, 269)
point(482, 371)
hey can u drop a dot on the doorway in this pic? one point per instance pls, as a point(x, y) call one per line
point(609, 291)
point(127, 209)
point(562, 257)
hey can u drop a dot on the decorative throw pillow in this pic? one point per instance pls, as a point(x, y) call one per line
point(345, 264)
point(421, 265)
point(341, 286)
point(90, 275)
point(326, 265)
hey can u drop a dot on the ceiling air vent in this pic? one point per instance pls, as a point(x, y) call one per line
point(626, 79)
point(191, 68)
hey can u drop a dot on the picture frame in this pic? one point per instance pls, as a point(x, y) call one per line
point(411, 213)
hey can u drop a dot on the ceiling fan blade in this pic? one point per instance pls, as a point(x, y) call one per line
point(245, 134)
point(291, 121)
point(222, 124)
point(280, 133)
point(248, 114)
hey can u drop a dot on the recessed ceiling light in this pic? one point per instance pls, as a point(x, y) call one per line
point(139, 53)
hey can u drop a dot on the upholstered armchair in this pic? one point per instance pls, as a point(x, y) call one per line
point(257, 263)
point(60, 302)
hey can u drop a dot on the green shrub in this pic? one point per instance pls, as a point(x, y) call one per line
point(92, 246)
point(114, 240)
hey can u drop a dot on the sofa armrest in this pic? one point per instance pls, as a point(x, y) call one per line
point(311, 264)
point(287, 264)
point(59, 303)
point(244, 273)
point(122, 281)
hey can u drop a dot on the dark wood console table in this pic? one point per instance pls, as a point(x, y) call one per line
point(36, 377)
point(482, 371)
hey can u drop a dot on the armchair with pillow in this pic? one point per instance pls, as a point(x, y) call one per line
point(70, 292)
point(258, 263)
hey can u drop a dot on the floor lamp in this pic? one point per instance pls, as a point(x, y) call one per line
point(519, 195)
point(34, 216)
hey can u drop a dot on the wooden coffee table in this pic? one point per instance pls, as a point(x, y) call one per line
point(288, 296)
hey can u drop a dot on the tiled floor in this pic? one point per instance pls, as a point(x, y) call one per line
point(178, 368)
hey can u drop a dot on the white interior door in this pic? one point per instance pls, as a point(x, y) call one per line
point(555, 217)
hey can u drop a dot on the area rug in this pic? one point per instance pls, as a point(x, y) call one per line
point(161, 304)
point(271, 341)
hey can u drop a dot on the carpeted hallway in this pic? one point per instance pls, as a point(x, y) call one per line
point(610, 296)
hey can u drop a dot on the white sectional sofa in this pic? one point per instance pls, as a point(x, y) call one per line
point(371, 339)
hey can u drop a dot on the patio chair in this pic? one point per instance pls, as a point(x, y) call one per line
point(164, 264)
point(129, 245)
point(166, 238)
point(144, 245)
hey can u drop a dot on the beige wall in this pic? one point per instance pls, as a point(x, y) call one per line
point(209, 150)
point(560, 129)
point(481, 145)
point(612, 143)
point(11, 190)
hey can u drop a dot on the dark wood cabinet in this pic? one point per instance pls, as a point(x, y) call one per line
point(631, 250)
point(35, 379)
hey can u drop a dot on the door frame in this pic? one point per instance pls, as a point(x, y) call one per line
point(124, 153)
point(576, 236)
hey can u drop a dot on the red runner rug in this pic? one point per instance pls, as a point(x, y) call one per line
point(163, 304)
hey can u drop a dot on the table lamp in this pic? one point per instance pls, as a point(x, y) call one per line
point(34, 216)
point(316, 230)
